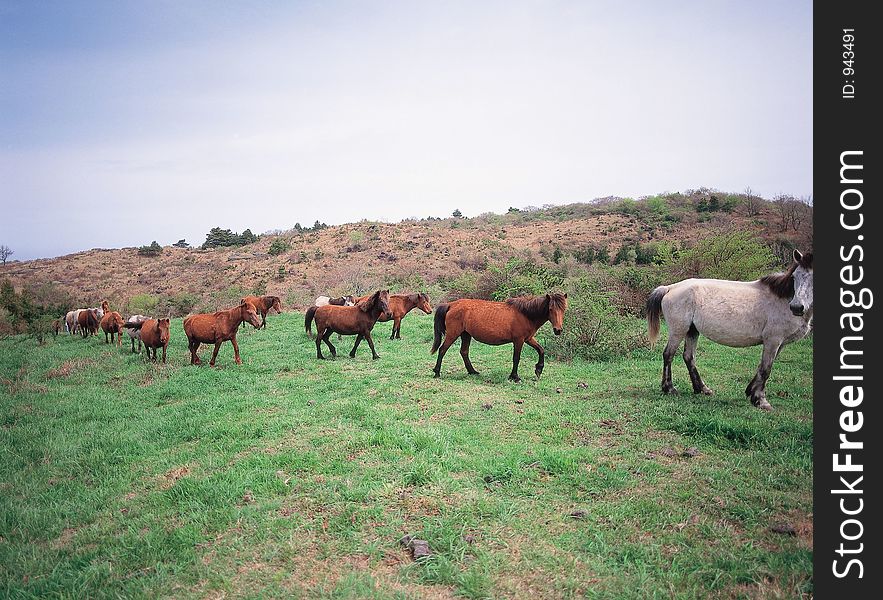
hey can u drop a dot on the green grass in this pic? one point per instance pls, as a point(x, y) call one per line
point(292, 476)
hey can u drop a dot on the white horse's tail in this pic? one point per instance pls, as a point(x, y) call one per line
point(654, 309)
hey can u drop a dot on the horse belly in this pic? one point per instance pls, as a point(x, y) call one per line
point(487, 333)
point(730, 332)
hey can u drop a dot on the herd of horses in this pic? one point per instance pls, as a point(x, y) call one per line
point(772, 311)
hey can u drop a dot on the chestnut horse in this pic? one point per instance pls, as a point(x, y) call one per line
point(154, 333)
point(112, 323)
point(514, 321)
point(217, 328)
point(400, 305)
point(355, 320)
point(88, 320)
point(263, 305)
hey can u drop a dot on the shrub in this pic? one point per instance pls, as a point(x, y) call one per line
point(142, 304)
point(153, 249)
point(182, 304)
point(736, 255)
point(519, 276)
point(279, 246)
point(594, 328)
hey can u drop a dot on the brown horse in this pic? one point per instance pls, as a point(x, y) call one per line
point(217, 328)
point(154, 333)
point(88, 320)
point(355, 320)
point(263, 305)
point(400, 305)
point(514, 321)
point(112, 323)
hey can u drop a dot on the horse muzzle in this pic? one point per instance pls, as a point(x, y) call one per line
point(557, 331)
point(797, 311)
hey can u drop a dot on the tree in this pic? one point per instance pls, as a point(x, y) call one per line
point(181, 244)
point(752, 203)
point(153, 249)
point(279, 246)
point(247, 237)
point(457, 214)
point(5, 252)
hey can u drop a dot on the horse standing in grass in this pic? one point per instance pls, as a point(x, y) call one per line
point(112, 323)
point(135, 333)
point(514, 321)
point(399, 306)
point(263, 305)
point(355, 320)
point(217, 328)
point(342, 301)
point(154, 333)
point(774, 310)
point(88, 320)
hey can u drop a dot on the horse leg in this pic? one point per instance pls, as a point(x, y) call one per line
point(164, 355)
point(465, 339)
point(356, 345)
point(215, 354)
point(236, 358)
point(690, 342)
point(396, 324)
point(194, 348)
point(450, 336)
point(541, 361)
point(370, 341)
point(263, 320)
point(516, 358)
point(756, 390)
point(668, 355)
point(327, 339)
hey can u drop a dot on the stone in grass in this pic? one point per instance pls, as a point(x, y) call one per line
point(783, 528)
point(578, 514)
point(668, 452)
point(558, 390)
point(691, 452)
point(487, 406)
point(582, 385)
point(419, 548)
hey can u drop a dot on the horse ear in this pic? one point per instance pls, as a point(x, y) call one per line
point(565, 294)
point(797, 255)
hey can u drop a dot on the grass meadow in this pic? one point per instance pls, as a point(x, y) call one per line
point(289, 476)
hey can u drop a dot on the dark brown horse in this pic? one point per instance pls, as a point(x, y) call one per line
point(399, 306)
point(355, 320)
point(514, 321)
point(112, 323)
point(88, 320)
point(263, 305)
point(154, 333)
point(217, 328)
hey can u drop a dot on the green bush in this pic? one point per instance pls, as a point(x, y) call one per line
point(142, 304)
point(154, 249)
point(182, 304)
point(736, 255)
point(594, 327)
point(279, 246)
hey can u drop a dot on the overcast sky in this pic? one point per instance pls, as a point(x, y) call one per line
point(126, 122)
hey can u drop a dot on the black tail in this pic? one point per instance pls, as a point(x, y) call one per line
point(308, 320)
point(441, 312)
point(134, 325)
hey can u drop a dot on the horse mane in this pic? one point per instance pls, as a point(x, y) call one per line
point(781, 284)
point(368, 303)
point(534, 307)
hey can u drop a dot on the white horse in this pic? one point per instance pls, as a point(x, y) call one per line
point(135, 334)
point(326, 300)
point(774, 310)
point(71, 319)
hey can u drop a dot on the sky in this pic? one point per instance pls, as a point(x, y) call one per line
point(125, 122)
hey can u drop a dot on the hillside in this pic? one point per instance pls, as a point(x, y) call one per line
point(358, 256)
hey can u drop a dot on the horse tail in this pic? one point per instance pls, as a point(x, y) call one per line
point(133, 324)
point(654, 309)
point(308, 320)
point(441, 312)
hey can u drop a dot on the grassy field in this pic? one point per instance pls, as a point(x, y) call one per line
point(292, 476)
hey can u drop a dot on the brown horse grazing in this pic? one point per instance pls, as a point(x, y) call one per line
point(112, 323)
point(514, 321)
point(400, 305)
point(88, 320)
point(217, 328)
point(355, 320)
point(154, 334)
point(263, 305)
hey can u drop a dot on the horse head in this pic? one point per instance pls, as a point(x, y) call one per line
point(557, 306)
point(423, 303)
point(276, 304)
point(349, 301)
point(801, 302)
point(163, 326)
point(248, 313)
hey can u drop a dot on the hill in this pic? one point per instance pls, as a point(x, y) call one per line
point(428, 253)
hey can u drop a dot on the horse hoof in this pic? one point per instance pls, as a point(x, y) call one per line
point(762, 404)
point(375, 357)
point(707, 391)
point(515, 379)
point(670, 389)
point(436, 375)
point(474, 373)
